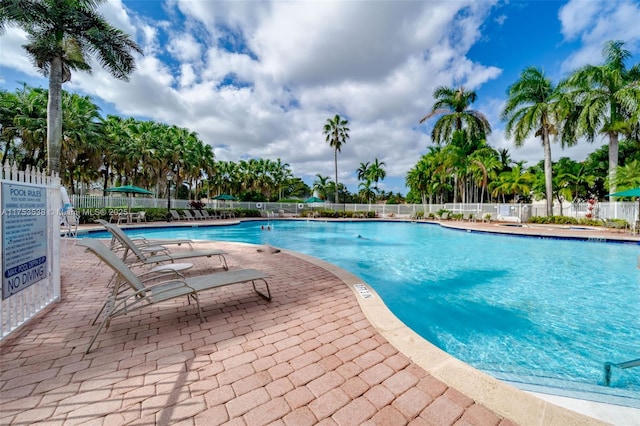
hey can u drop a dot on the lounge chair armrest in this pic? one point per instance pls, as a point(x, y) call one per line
point(151, 249)
point(148, 276)
point(170, 284)
point(123, 302)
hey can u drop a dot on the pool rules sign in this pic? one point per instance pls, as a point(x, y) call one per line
point(24, 237)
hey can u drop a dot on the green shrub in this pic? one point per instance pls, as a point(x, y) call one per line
point(566, 220)
point(153, 214)
point(616, 223)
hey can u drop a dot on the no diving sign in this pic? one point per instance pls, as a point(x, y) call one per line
point(363, 291)
point(24, 237)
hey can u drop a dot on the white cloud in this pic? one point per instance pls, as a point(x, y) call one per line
point(295, 64)
point(575, 16)
point(187, 75)
point(12, 54)
point(185, 48)
point(117, 15)
point(594, 23)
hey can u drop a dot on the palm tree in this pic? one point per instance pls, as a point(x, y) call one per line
point(366, 192)
point(376, 173)
point(453, 107)
point(535, 105)
point(23, 121)
point(419, 178)
point(514, 182)
point(82, 139)
point(321, 185)
point(9, 131)
point(484, 164)
point(628, 176)
point(363, 171)
point(337, 134)
point(609, 100)
point(62, 34)
point(505, 159)
point(280, 174)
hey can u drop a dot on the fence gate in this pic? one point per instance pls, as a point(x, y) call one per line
point(30, 236)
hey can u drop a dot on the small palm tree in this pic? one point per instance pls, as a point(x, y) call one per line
point(452, 105)
point(628, 176)
point(321, 185)
point(514, 182)
point(420, 178)
point(376, 173)
point(337, 134)
point(366, 192)
point(363, 171)
point(62, 34)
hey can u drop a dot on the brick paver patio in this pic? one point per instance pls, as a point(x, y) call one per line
point(307, 357)
point(310, 356)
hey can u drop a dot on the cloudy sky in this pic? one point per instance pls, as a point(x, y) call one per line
point(258, 79)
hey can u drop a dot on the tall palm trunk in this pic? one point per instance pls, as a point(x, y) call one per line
point(613, 162)
point(455, 187)
point(548, 171)
point(54, 116)
point(335, 160)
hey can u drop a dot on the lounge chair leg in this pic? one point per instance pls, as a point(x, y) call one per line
point(195, 297)
point(267, 296)
point(108, 304)
point(104, 322)
point(223, 260)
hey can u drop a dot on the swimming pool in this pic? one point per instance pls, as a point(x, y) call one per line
point(530, 311)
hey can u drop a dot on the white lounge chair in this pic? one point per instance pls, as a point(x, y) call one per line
point(143, 243)
point(206, 215)
point(187, 215)
point(69, 224)
point(139, 256)
point(130, 294)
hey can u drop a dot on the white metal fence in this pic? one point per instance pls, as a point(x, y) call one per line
point(17, 308)
point(516, 212)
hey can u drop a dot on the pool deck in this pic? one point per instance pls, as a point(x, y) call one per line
point(325, 350)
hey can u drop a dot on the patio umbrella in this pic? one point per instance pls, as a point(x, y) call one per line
point(224, 197)
point(129, 189)
point(313, 200)
point(635, 192)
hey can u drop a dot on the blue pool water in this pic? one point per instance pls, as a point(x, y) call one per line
point(532, 311)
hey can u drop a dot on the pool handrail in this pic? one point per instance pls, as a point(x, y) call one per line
point(622, 365)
